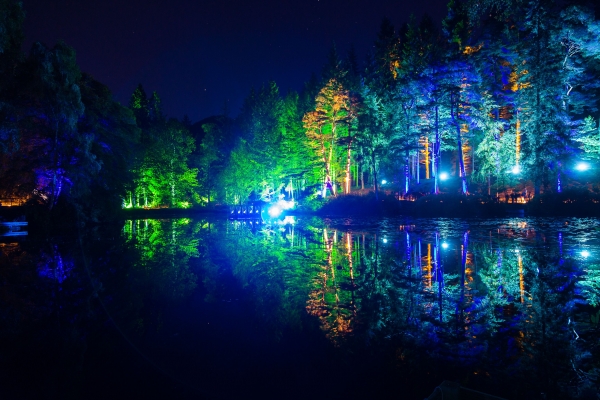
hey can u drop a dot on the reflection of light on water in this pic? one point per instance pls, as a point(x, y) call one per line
point(585, 253)
point(582, 166)
point(521, 279)
point(288, 220)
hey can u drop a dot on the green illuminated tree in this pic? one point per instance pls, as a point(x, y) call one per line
point(215, 138)
point(165, 177)
point(374, 133)
point(589, 137)
point(262, 136)
point(140, 106)
point(297, 161)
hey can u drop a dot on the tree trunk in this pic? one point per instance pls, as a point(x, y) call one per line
point(436, 153)
point(376, 187)
point(348, 177)
point(362, 179)
point(426, 161)
point(461, 161)
point(406, 173)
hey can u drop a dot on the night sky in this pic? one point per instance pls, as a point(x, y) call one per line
point(200, 54)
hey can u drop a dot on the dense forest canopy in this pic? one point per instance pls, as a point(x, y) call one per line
point(504, 93)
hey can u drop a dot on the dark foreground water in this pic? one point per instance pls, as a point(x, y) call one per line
point(305, 308)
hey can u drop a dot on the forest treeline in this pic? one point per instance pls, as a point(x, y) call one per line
point(503, 92)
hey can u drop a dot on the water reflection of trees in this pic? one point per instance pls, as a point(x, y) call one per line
point(46, 307)
point(164, 248)
point(484, 306)
point(508, 305)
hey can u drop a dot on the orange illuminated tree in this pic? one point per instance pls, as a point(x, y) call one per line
point(333, 115)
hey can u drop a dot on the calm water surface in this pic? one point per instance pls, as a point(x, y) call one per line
point(297, 308)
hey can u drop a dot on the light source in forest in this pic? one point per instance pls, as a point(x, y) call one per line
point(516, 169)
point(383, 182)
point(276, 209)
point(444, 245)
point(444, 176)
point(582, 166)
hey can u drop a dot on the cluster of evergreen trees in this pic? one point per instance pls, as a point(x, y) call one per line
point(507, 91)
point(506, 88)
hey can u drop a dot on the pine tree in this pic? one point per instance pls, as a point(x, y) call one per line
point(383, 64)
point(53, 87)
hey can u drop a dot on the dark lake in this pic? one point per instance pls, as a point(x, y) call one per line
point(303, 308)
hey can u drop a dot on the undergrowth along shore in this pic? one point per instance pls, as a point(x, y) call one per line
point(575, 203)
point(569, 203)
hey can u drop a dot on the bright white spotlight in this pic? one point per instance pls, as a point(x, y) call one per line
point(275, 211)
point(384, 240)
point(585, 254)
point(582, 166)
point(444, 245)
point(383, 182)
point(515, 169)
point(444, 176)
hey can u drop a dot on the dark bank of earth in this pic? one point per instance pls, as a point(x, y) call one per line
point(576, 203)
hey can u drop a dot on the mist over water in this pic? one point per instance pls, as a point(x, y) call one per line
point(296, 307)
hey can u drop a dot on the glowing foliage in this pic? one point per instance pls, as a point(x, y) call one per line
point(333, 114)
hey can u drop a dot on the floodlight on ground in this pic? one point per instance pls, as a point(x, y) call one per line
point(275, 211)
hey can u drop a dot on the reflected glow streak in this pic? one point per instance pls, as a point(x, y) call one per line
point(582, 166)
point(288, 220)
point(585, 254)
